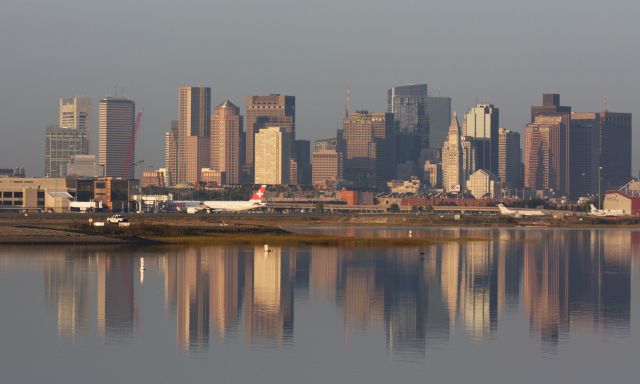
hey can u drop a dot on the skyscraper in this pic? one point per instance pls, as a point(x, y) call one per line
point(439, 119)
point(544, 149)
point(409, 107)
point(458, 158)
point(75, 113)
point(585, 153)
point(194, 120)
point(303, 162)
point(327, 168)
point(271, 156)
point(116, 130)
point(273, 110)
point(171, 152)
point(509, 158)
point(60, 145)
point(481, 123)
point(369, 157)
point(551, 107)
point(615, 150)
point(226, 128)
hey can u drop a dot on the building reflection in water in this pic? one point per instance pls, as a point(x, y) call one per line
point(115, 296)
point(559, 280)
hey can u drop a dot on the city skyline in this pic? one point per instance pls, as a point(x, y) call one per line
point(30, 60)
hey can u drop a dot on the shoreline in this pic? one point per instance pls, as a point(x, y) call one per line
point(257, 229)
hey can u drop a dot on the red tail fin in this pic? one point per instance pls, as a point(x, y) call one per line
point(259, 194)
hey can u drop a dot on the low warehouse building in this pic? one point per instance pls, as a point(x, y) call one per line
point(626, 199)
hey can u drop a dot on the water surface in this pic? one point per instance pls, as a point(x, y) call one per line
point(524, 305)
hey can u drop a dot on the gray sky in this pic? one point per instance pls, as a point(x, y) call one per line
point(500, 51)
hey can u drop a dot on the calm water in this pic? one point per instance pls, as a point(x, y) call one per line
point(524, 306)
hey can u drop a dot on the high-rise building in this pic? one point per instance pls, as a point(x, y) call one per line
point(458, 158)
point(328, 143)
point(60, 145)
point(408, 104)
point(75, 113)
point(194, 120)
point(369, 154)
point(327, 168)
point(83, 166)
point(268, 111)
point(544, 149)
point(271, 156)
point(615, 150)
point(303, 162)
point(197, 150)
point(438, 120)
point(585, 153)
point(226, 128)
point(551, 107)
point(509, 158)
point(171, 152)
point(116, 130)
point(481, 123)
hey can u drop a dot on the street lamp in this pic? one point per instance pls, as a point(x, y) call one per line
point(599, 183)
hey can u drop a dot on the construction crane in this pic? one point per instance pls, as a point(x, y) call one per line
point(132, 145)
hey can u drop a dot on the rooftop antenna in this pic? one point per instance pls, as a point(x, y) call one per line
point(347, 102)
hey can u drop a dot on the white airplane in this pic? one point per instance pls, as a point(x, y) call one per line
point(605, 212)
point(256, 201)
point(519, 212)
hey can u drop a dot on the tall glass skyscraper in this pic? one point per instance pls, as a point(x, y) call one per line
point(408, 104)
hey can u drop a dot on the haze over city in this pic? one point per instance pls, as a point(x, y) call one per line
point(498, 52)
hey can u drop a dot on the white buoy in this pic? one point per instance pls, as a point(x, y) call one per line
point(142, 268)
point(410, 233)
point(266, 247)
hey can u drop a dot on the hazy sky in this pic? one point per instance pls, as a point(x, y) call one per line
point(501, 51)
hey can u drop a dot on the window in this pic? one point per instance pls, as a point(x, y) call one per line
point(17, 194)
point(7, 194)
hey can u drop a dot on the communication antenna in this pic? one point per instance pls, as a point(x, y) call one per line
point(347, 102)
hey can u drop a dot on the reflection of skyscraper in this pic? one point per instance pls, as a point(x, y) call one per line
point(324, 271)
point(406, 304)
point(363, 304)
point(225, 290)
point(545, 276)
point(66, 284)
point(193, 300)
point(269, 296)
point(115, 297)
point(476, 288)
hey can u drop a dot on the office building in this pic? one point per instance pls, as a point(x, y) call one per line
point(75, 113)
point(615, 150)
point(273, 110)
point(481, 123)
point(369, 154)
point(551, 107)
point(226, 128)
point(83, 166)
point(509, 158)
point(438, 120)
point(197, 156)
point(116, 147)
point(327, 168)
point(433, 174)
point(303, 162)
point(458, 158)
point(36, 194)
point(60, 145)
point(194, 120)
point(585, 153)
point(483, 184)
point(544, 149)
point(171, 152)
point(271, 156)
point(328, 143)
point(409, 107)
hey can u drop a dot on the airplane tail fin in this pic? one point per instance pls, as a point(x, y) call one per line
point(504, 210)
point(593, 208)
point(259, 194)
